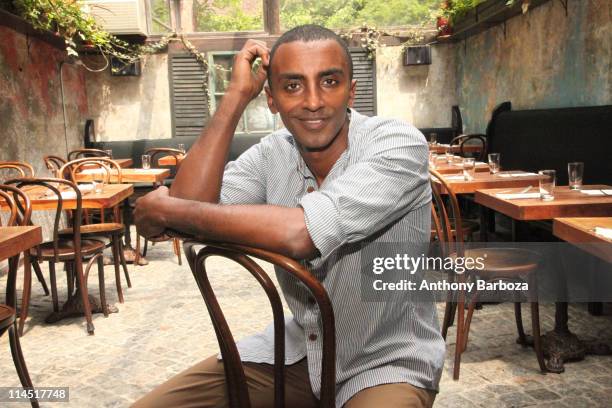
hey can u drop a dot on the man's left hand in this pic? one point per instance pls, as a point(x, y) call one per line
point(149, 215)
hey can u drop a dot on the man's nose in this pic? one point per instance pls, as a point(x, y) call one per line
point(313, 99)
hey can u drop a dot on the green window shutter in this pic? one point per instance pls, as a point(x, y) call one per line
point(365, 74)
point(189, 99)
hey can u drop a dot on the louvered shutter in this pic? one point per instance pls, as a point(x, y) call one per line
point(364, 73)
point(189, 100)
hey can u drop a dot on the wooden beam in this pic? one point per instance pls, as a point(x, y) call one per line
point(271, 12)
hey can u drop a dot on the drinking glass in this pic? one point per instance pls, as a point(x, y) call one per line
point(109, 153)
point(433, 139)
point(449, 155)
point(98, 186)
point(574, 175)
point(181, 147)
point(547, 185)
point(494, 159)
point(432, 159)
point(146, 161)
point(469, 168)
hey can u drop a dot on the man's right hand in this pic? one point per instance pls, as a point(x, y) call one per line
point(244, 81)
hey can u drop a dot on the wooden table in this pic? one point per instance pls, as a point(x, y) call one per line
point(483, 180)
point(443, 167)
point(128, 175)
point(112, 195)
point(560, 343)
point(442, 148)
point(581, 230)
point(170, 160)
point(15, 240)
point(567, 203)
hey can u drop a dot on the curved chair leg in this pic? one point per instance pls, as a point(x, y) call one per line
point(449, 312)
point(102, 284)
point(468, 321)
point(137, 251)
point(177, 249)
point(40, 276)
point(537, 342)
point(522, 339)
point(25, 294)
point(82, 286)
point(19, 360)
point(115, 249)
point(53, 286)
point(69, 278)
point(123, 263)
point(146, 245)
point(460, 332)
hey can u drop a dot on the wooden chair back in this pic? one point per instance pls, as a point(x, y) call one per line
point(80, 153)
point(157, 152)
point(234, 373)
point(54, 163)
point(462, 142)
point(443, 211)
point(23, 169)
point(53, 188)
point(106, 165)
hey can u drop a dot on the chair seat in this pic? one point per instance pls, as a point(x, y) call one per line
point(7, 316)
point(89, 229)
point(504, 262)
point(66, 249)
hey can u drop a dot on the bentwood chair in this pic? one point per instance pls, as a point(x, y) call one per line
point(53, 164)
point(475, 139)
point(25, 169)
point(70, 250)
point(20, 211)
point(502, 264)
point(111, 233)
point(82, 153)
point(156, 154)
point(235, 379)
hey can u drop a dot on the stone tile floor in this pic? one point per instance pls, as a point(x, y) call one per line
point(163, 328)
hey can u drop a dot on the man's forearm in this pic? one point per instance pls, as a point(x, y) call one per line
point(201, 172)
point(270, 227)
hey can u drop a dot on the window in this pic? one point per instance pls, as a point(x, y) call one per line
point(257, 117)
point(227, 15)
point(160, 16)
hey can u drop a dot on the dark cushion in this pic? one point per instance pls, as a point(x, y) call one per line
point(540, 139)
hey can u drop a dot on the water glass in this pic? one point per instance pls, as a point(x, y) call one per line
point(547, 184)
point(432, 159)
point(574, 175)
point(433, 138)
point(146, 161)
point(109, 153)
point(449, 155)
point(181, 147)
point(469, 168)
point(494, 159)
point(98, 186)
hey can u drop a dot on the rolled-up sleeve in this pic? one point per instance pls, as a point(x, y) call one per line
point(388, 179)
point(244, 180)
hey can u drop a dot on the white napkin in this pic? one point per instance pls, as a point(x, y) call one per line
point(481, 163)
point(508, 175)
point(607, 192)
point(517, 196)
point(593, 192)
point(91, 171)
point(456, 177)
point(604, 232)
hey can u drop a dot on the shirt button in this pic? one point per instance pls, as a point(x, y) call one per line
point(312, 337)
point(310, 189)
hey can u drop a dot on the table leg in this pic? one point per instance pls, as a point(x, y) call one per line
point(484, 223)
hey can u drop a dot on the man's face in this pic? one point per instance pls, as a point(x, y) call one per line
point(311, 91)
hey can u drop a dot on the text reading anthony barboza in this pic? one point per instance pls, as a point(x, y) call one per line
point(389, 271)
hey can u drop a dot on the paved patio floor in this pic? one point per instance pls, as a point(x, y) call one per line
point(163, 328)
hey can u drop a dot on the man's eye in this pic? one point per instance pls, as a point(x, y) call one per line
point(330, 81)
point(292, 86)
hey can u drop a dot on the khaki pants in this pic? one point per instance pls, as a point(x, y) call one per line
point(203, 385)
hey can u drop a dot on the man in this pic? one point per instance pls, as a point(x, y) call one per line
point(318, 191)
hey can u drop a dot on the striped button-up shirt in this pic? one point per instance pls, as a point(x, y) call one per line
point(377, 192)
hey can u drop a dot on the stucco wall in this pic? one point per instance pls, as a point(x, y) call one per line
point(546, 60)
point(422, 95)
point(31, 115)
point(131, 107)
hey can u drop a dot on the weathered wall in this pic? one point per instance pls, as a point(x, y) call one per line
point(546, 60)
point(129, 108)
point(422, 95)
point(31, 114)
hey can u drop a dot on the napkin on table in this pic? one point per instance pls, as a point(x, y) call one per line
point(604, 232)
point(517, 196)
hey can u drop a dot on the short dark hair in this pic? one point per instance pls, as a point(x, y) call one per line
point(308, 33)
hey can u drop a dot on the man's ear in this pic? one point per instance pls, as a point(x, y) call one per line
point(270, 98)
point(352, 92)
